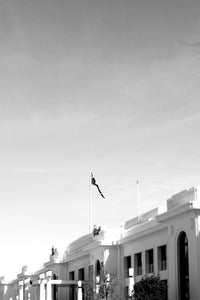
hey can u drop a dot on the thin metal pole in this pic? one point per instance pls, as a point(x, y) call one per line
point(90, 206)
point(138, 198)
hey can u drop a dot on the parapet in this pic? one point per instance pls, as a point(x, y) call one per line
point(188, 195)
point(78, 244)
point(147, 216)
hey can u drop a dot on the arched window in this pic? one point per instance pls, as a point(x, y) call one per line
point(97, 268)
point(183, 266)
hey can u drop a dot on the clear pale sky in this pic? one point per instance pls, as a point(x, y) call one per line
point(107, 85)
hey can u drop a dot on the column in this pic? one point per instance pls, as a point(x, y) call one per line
point(26, 289)
point(97, 284)
point(49, 289)
point(155, 260)
point(79, 290)
point(107, 284)
point(131, 281)
point(21, 290)
point(42, 287)
point(143, 263)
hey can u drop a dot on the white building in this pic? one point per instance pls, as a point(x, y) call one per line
point(164, 243)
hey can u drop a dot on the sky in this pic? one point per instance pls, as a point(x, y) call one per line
point(107, 86)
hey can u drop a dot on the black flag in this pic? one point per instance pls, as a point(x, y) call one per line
point(93, 182)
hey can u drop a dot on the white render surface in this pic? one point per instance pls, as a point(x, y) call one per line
point(147, 232)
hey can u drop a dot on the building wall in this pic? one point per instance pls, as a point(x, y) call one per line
point(148, 231)
point(149, 238)
point(187, 222)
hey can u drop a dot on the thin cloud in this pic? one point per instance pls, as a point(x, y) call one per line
point(189, 44)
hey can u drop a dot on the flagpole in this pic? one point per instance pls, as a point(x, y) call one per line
point(90, 205)
point(138, 198)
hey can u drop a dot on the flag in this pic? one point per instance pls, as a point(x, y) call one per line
point(93, 182)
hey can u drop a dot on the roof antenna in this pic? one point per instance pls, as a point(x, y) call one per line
point(138, 199)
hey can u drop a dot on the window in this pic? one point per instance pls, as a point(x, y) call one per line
point(127, 265)
point(71, 275)
point(97, 268)
point(162, 258)
point(149, 261)
point(55, 288)
point(183, 266)
point(71, 287)
point(81, 274)
point(138, 264)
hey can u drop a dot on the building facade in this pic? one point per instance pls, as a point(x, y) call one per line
point(158, 242)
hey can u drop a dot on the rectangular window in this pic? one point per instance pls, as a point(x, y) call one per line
point(81, 274)
point(138, 264)
point(71, 275)
point(71, 287)
point(162, 258)
point(149, 261)
point(127, 265)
